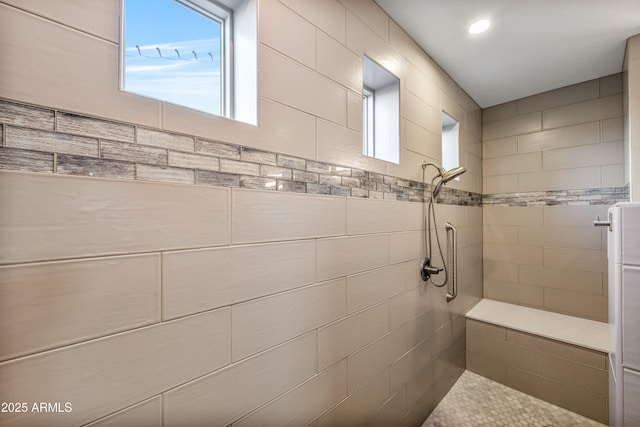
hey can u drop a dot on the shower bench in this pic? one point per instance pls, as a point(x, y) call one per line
point(555, 357)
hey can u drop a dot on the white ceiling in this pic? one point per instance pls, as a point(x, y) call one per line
point(532, 46)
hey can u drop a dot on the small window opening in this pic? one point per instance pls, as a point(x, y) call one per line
point(380, 112)
point(450, 142)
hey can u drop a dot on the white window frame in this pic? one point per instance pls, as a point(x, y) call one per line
point(450, 142)
point(368, 128)
point(224, 16)
point(381, 112)
point(239, 64)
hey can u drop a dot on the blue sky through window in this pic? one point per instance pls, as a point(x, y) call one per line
point(160, 28)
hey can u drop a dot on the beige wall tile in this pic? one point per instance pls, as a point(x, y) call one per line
point(373, 16)
point(500, 147)
point(406, 246)
point(198, 280)
point(495, 349)
point(348, 255)
point(421, 386)
point(337, 62)
point(93, 79)
point(496, 113)
point(411, 364)
point(354, 111)
point(345, 336)
point(47, 305)
point(413, 303)
point(583, 112)
point(425, 325)
point(342, 145)
point(99, 378)
point(577, 259)
point(568, 216)
point(277, 23)
point(500, 184)
point(561, 278)
point(304, 403)
point(284, 216)
point(363, 364)
point(290, 83)
point(559, 97)
point(558, 394)
point(613, 176)
point(359, 406)
point(329, 16)
point(512, 164)
point(578, 178)
point(505, 216)
point(561, 237)
point(516, 293)
point(611, 85)
point(488, 368)
point(419, 112)
point(372, 287)
point(515, 254)
point(606, 153)
point(500, 271)
point(576, 303)
point(507, 234)
point(531, 122)
point(230, 393)
point(147, 413)
point(557, 348)
point(379, 216)
point(99, 19)
point(282, 129)
point(416, 138)
point(612, 129)
point(586, 378)
point(72, 217)
point(266, 322)
point(569, 136)
point(482, 328)
point(392, 411)
point(423, 87)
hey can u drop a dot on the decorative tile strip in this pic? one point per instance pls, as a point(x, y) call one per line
point(89, 146)
point(584, 197)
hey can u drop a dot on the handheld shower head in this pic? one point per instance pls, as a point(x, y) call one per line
point(453, 173)
point(446, 177)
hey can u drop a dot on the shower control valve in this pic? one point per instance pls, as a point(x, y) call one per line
point(426, 269)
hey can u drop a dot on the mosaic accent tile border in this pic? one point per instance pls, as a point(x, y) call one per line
point(37, 139)
point(43, 140)
point(585, 197)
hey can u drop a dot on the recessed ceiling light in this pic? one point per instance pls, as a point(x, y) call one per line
point(479, 26)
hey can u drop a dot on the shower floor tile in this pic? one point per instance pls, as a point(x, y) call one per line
point(477, 401)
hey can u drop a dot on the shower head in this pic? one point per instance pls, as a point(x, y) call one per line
point(447, 176)
point(452, 173)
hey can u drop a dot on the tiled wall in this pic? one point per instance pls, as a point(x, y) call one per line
point(150, 276)
point(551, 163)
point(631, 77)
point(572, 377)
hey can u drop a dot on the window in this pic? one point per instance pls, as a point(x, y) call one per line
point(450, 142)
point(380, 112)
point(196, 53)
